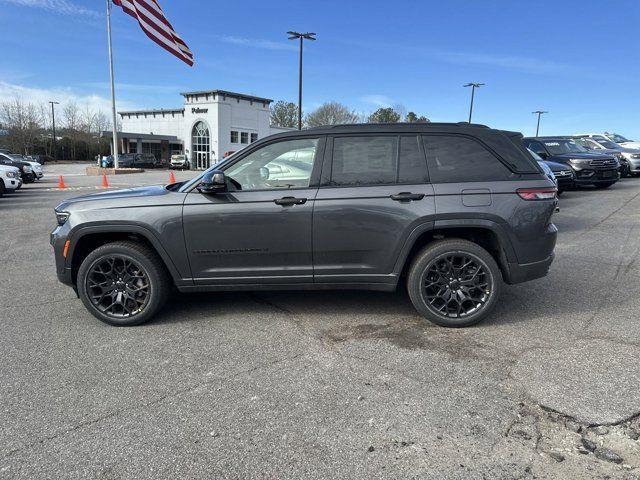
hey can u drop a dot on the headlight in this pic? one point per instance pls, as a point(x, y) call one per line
point(26, 169)
point(11, 174)
point(62, 217)
point(580, 162)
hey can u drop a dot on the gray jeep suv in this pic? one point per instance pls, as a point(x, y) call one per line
point(449, 210)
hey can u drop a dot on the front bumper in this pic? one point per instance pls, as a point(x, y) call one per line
point(57, 239)
point(593, 177)
point(12, 183)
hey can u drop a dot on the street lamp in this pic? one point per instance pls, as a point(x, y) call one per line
point(473, 91)
point(53, 124)
point(539, 113)
point(302, 37)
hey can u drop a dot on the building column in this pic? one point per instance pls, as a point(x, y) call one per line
point(139, 145)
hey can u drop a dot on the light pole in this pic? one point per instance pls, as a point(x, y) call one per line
point(473, 86)
point(53, 124)
point(301, 36)
point(539, 113)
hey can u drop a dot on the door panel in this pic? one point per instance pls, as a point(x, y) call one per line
point(245, 237)
point(358, 232)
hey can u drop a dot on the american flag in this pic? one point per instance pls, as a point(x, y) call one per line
point(157, 27)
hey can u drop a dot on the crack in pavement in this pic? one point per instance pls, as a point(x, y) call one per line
point(151, 403)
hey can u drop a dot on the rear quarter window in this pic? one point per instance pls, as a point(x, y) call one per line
point(457, 159)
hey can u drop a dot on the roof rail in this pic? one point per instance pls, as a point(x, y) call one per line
point(426, 124)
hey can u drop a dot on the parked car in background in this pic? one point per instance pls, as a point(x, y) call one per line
point(35, 166)
point(287, 212)
point(41, 159)
point(590, 168)
point(137, 160)
point(180, 160)
point(629, 158)
point(10, 180)
point(613, 137)
point(12, 160)
point(560, 173)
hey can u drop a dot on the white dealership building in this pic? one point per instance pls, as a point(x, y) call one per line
point(210, 124)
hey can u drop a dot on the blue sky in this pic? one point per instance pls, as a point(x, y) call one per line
point(577, 59)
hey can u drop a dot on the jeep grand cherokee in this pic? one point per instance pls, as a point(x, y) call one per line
point(448, 210)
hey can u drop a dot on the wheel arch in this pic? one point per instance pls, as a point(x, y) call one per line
point(486, 233)
point(89, 238)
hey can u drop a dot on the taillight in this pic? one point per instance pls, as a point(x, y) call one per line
point(546, 193)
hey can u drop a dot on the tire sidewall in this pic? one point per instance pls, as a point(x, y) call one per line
point(150, 270)
point(419, 270)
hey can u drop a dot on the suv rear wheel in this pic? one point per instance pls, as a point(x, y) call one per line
point(454, 283)
point(123, 283)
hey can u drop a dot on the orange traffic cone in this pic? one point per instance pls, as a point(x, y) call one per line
point(172, 178)
point(105, 182)
point(61, 182)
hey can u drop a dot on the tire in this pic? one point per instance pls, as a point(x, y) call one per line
point(559, 192)
point(422, 268)
point(142, 260)
point(602, 186)
point(29, 179)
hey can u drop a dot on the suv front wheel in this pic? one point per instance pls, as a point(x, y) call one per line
point(454, 283)
point(123, 283)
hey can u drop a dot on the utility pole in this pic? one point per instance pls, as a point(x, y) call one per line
point(473, 86)
point(53, 124)
point(539, 113)
point(301, 36)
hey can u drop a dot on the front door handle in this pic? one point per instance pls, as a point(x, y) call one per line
point(287, 201)
point(407, 196)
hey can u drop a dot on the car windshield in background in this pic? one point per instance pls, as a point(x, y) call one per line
point(607, 144)
point(535, 155)
point(558, 147)
point(618, 138)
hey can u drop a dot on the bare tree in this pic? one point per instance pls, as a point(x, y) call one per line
point(23, 120)
point(73, 125)
point(332, 113)
point(284, 114)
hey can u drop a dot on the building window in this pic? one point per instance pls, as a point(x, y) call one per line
point(254, 137)
point(244, 137)
point(200, 146)
point(234, 136)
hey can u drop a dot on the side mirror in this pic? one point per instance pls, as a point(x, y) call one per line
point(213, 181)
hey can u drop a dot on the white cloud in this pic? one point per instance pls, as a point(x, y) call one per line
point(257, 43)
point(41, 96)
point(63, 7)
point(510, 62)
point(378, 100)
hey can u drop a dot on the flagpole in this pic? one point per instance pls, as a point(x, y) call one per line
point(113, 94)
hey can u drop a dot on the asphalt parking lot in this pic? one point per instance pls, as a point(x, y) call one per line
point(324, 384)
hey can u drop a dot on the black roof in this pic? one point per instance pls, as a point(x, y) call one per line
point(460, 127)
point(556, 137)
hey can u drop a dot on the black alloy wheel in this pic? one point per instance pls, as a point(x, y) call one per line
point(118, 286)
point(456, 285)
point(454, 282)
point(123, 283)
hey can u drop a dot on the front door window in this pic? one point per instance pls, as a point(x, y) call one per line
point(281, 165)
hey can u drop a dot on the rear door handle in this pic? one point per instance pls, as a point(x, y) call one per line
point(287, 201)
point(407, 196)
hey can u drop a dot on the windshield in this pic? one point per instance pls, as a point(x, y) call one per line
point(535, 155)
point(618, 138)
point(607, 144)
point(561, 146)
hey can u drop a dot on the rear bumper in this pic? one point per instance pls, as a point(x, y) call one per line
point(523, 272)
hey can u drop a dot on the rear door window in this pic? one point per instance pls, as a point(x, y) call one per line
point(457, 159)
point(378, 160)
point(366, 160)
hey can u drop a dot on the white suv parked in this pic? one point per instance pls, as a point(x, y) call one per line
point(36, 167)
point(10, 179)
point(613, 137)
